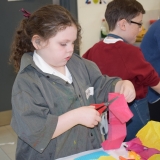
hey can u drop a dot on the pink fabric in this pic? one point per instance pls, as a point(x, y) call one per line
point(136, 146)
point(120, 108)
point(119, 114)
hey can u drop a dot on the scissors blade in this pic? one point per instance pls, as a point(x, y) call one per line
point(111, 101)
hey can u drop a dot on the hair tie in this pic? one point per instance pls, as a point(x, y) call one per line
point(25, 13)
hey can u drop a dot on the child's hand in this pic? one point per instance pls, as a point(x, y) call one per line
point(88, 116)
point(126, 87)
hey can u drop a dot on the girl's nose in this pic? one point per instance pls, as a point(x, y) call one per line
point(70, 48)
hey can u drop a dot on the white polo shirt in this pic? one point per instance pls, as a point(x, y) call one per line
point(42, 65)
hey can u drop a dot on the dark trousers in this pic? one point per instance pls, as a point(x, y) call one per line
point(154, 110)
point(141, 116)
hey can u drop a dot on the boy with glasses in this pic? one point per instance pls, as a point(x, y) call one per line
point(116, 56)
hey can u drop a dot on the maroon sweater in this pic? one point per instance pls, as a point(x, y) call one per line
point(125, 61)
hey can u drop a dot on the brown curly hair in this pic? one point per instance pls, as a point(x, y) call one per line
point(45, 22)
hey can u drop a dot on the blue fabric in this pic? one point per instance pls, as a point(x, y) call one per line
point(141, 116)
point(150, 47)
point(92, 156)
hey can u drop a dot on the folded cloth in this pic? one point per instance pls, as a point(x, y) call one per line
point(119, 114)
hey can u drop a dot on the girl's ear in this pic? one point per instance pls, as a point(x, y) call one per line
point(36, 41)
point(122, 24)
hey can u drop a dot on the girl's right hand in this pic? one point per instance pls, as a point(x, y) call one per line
point(87, 116)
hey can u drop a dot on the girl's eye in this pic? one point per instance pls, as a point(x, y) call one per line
point(63, 44)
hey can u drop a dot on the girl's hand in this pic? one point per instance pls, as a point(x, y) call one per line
point(126, 87)
point(88, 116)
point(85, 115)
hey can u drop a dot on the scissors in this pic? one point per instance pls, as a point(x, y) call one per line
point(103, 106)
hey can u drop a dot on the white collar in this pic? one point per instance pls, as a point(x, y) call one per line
point(42, 65)
point(111, 40)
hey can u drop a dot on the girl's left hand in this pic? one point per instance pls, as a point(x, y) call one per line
point(126, 87)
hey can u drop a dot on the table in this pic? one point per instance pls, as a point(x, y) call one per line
point(115, 153)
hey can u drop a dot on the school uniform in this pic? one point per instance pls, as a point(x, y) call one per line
point(38, 98)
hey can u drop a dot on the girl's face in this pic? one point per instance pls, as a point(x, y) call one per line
point(133, 29)
point(58, 49)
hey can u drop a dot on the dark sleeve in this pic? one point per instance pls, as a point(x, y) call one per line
point(31, 117)
point(103, 84)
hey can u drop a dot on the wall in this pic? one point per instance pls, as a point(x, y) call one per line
point(9, 18)
point(90, 16)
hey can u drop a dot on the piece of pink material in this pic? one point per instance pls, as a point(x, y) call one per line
point(145, 152)
point(119, 114)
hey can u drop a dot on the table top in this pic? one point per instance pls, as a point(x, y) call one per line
point(115, 153)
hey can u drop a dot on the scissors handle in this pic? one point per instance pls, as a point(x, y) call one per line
point(100, 107)
point(101, 110)
point(103, 106)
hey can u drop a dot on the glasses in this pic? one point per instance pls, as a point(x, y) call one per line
point(139, 24)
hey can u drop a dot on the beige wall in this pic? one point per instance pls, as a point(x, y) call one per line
point(90, 16)
point(5, 117)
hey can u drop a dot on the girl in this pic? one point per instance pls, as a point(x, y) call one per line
point(54, 88)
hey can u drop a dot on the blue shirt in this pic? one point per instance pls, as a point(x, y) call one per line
point(150, 47)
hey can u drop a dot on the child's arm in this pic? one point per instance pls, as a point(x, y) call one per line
point(126, 87)
point(105, 84)
point(85, 115)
